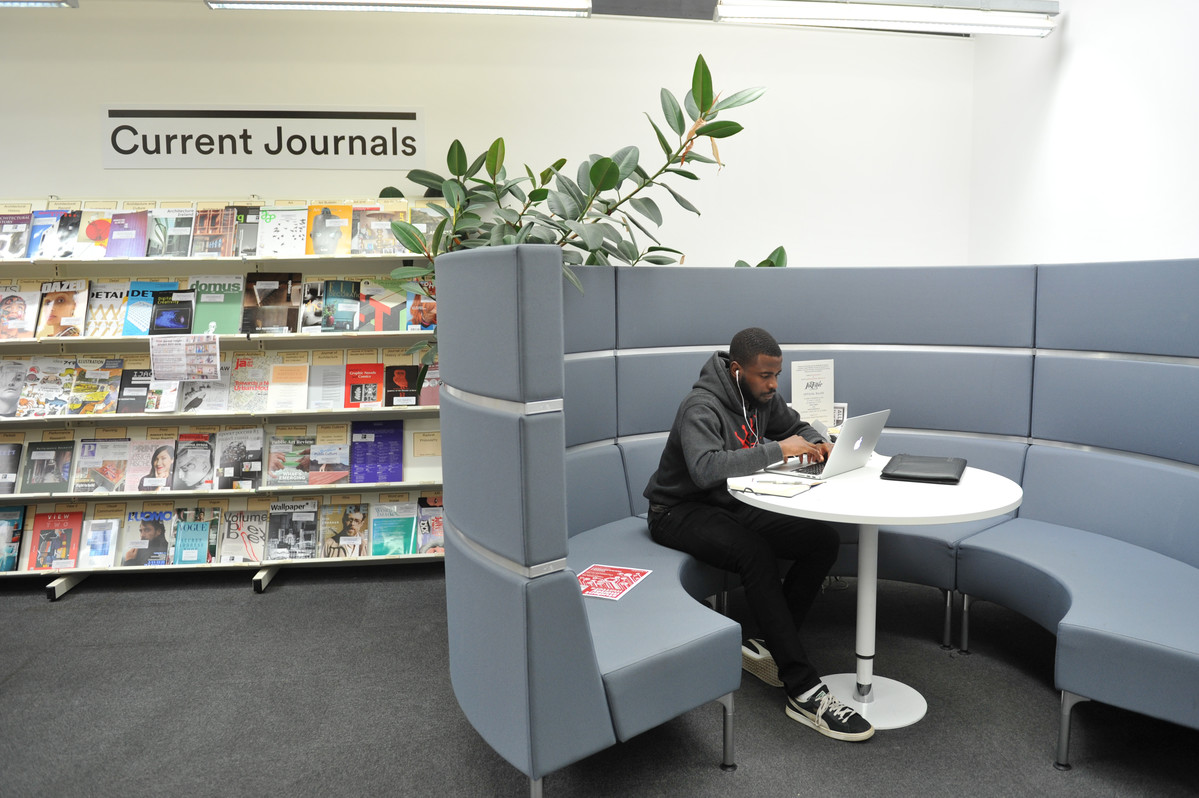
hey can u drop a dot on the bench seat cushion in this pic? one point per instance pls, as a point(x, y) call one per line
point(661, 652)
point(1123, 615)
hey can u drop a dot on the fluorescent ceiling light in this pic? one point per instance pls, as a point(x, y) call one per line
point(547, 8)
point(39, 3)
point(1004, 17)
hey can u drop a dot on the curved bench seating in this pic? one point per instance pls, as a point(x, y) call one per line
point(1039, 373)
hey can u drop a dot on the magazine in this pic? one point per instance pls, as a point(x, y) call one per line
point(345, 531)
point(63, 309)
point(244, 536)
point(239, 459)
point(97, 386)
point(209, 526)
point(194, 462)
point(12, 382)
point(100, 465)
point(10, 464)
point(151, 466)
point(206, 396)
point(330, 464)
point(148, 537)
point(47, 467)
point(393, 528)
point(18, 313)
point(101, 537)
point(54, 541)
point(47, 388)
point(292, 532)
point(289, 459)
point(12, 529)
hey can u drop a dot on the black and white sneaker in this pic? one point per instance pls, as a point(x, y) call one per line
point(824, 713)
point(757, 660)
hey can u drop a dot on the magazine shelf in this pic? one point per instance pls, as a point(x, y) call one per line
point(229, 417)
point(63, 579)
point(137, 268)
point(242, 342)
point(421, 468)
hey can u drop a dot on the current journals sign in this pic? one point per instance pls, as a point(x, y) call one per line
point(211, 138)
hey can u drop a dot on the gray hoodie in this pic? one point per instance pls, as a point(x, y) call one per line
point(712, 439)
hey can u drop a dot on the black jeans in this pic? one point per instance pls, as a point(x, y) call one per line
point(750, 542)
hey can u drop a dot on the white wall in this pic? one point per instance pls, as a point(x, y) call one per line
point(860, 152)
point(1086, 144)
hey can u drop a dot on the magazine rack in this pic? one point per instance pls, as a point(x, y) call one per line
point(421, 474)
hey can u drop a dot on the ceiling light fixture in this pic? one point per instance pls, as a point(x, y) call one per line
point(544, 8)
point(39, 3)
point(963, 17)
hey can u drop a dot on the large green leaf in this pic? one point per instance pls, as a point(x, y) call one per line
point(438, 234)
point(634, 221)
point(776, 258)
point(662, 142)
point(681, 200)
point(425, 178)
point(719, 130)
point(572, 277)
point(626, 158)
point(659, 260)
point(690, 106)
point(467, 222)
point(538, 194)
point(476, 165)
point(590, 234)
point(563, 204)
point(628, 251)
point(412, 238)
point(684, 173)
point(495, 158)
point(456, 159)
point(744, 97)
point(412, 272)
point(604, 174)
point(701, 85)
point(647, 208)
point(548, 174)
point(509, 215)
point(568, 186)
point(672, 112)
point(583, 176)
point(455, 197)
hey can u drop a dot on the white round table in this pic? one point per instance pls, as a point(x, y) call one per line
point(862, 497)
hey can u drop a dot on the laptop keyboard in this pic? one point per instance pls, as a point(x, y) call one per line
point(811, 469)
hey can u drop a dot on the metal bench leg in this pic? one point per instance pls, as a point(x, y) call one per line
point(947, 626)
point(1069, 700)
point(965, 624)
point(729, 762)
point(534, 788)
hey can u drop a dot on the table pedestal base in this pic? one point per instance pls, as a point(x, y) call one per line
point(892, 704)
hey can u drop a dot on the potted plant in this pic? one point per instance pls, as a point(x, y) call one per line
point(603, 215)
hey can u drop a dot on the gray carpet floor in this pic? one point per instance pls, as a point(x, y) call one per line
point(335, 683)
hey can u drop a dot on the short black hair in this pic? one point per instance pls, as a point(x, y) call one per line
point(751, 342)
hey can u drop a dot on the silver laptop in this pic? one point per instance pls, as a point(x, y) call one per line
point(855, 444)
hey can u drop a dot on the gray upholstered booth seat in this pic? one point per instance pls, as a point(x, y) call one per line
point(660, 651)
point(1125, 641)
point(1078, 381)
point(547, 676)
point(1105, 555)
